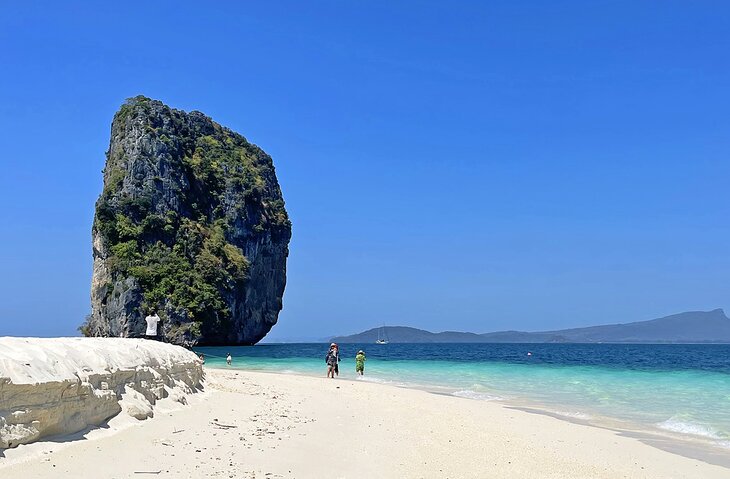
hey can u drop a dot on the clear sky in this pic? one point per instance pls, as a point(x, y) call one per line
point(447, 165)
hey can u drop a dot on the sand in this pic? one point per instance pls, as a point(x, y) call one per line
point(264, 425)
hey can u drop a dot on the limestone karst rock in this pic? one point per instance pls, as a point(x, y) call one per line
point(191, 222)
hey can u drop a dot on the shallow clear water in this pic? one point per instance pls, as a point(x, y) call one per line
point(683, 389)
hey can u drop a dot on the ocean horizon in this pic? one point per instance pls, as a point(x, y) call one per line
point(675, 392)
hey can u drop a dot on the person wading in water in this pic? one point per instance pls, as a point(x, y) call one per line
point(360, 362)
point(332, 358)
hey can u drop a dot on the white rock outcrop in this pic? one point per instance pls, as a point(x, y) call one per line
point(58, 386)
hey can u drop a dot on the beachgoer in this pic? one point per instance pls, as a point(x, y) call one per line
point(153, 322)
point(360, 362)
point(331, 359)
point(337, 364)
point(229, 359)
point(202, 358)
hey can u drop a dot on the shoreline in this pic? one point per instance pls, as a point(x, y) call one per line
point(249, 423)
point(689, 448)
point(692, 447)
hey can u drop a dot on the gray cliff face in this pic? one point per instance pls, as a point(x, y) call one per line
point(191, 223)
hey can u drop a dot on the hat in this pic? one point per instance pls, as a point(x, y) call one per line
point(333, 344)
point(361, 351)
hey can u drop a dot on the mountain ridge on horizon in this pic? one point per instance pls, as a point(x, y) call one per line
point(688, 327)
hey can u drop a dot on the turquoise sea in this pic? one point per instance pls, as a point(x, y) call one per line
point(679, 392)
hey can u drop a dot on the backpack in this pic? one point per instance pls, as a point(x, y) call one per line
point(331, 359)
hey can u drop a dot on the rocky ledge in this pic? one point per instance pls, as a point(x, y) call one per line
point(55, 387)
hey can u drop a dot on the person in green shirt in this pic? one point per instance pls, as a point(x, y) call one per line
point(360, 362)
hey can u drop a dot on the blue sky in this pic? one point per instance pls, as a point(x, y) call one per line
point(447, 165)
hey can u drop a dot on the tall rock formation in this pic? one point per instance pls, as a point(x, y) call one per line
point(191, 223)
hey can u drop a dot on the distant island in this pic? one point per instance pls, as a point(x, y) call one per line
point(689, 327)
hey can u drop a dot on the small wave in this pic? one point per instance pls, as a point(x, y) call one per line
point(574, 414)
point(693, 428)
point(371, 379)
point(469, 394)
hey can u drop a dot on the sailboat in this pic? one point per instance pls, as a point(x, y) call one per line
point(382, 339)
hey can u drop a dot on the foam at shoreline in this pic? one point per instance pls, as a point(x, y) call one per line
point(692, 428)
point(469, 394)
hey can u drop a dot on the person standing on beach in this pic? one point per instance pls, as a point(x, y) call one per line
point(229, 359)
point(153, 322)
point(331, 359)
point(360, 362)
point(337, 364)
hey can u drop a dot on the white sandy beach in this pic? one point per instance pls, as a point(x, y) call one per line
point(263, 425)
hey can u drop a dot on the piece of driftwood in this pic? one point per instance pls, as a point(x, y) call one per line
point(223, 426)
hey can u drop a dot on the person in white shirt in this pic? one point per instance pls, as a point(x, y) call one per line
point(152, 323)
